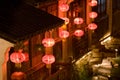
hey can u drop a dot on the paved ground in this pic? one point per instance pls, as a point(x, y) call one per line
point(108, 69)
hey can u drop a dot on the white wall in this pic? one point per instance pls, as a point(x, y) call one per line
point(3, 47)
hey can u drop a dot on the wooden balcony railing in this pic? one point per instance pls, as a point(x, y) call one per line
point(38, 72)
point(59, 75)
point(67, 72)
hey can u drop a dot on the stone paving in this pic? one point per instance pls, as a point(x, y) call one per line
point(106, 68)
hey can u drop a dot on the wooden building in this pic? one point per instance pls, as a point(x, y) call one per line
point(26, 23)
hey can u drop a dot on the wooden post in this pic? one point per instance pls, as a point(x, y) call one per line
point(109, 12)
point(88, 21)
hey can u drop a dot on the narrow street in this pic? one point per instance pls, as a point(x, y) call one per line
point(98, 66)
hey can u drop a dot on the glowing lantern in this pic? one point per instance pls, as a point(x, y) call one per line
point(48, 42)
point(66, 20)
point(64, 7)
point(17, 57)
point(78, 20)
point(64, 34)
point(92, 26)
point(48, 59)
point(93, 3)
point(93, 14)
point(79, 33)
point(18, 76)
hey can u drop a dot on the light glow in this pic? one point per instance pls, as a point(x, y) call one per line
point(93, 15)
point(78, 20)
point(64, 7)
point(79, 33)
point(92, 26)
point(48, 59)
point(48, 42)
point(64, 34)
point(93, 3)
point(17, 57)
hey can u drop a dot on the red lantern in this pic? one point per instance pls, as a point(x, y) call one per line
point(64, 34)
point(78, 20)
point(64, 7)
point(66, 20)
point(48, 42)
point(17, 57)
point(93, 3)
point(18, 76)
point(92, 26)
point(93, 14)
point(79, 33)
point(48, 59)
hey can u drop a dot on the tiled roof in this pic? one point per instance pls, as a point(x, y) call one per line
point(19, 21)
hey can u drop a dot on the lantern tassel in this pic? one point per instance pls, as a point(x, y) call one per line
point(18, 65)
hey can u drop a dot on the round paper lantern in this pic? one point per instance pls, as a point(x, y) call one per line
point(93, 3)
point(93, 14)
point(64, 7)
point(48, 42)
point(64, 34)
point(78, 20)
point(92, 26)
point(17, 57)
point(66, 20)
point(48, 59)
point(79, 33)
point(18, 76)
